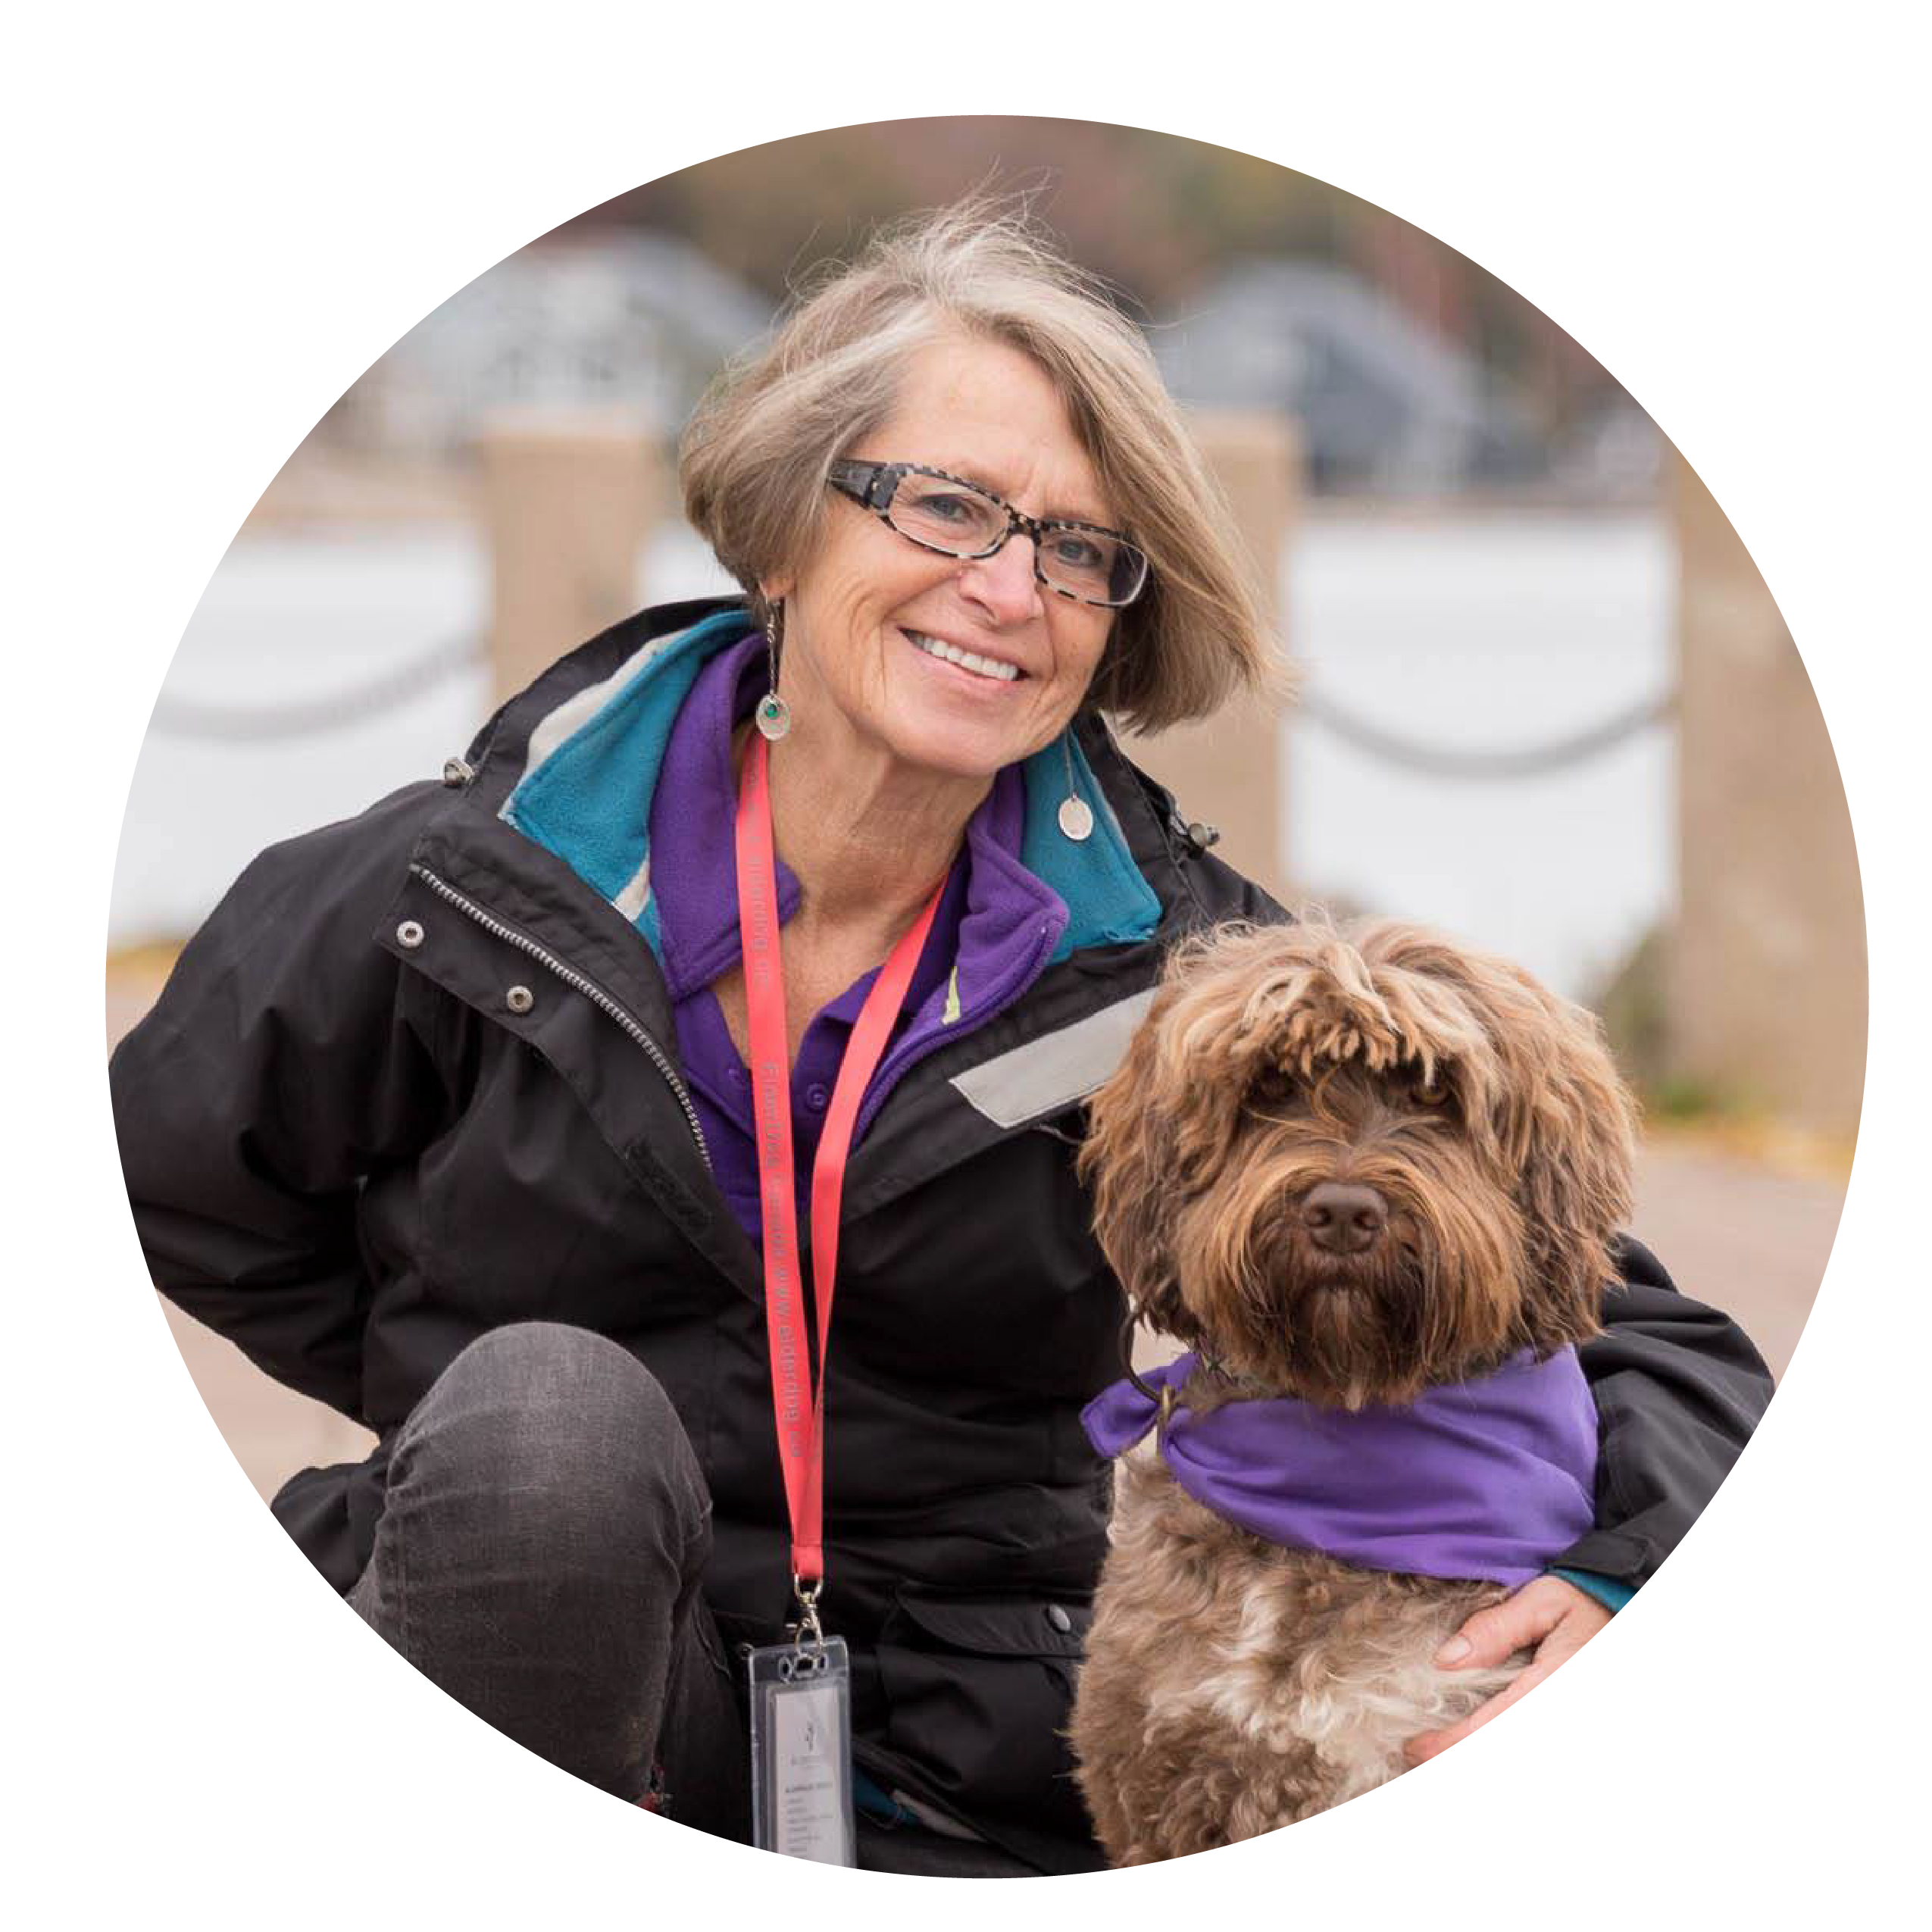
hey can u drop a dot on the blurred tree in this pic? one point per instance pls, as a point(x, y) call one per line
point(1159, 216)
point(1152, 212)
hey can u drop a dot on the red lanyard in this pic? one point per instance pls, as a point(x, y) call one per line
point(800, 1410)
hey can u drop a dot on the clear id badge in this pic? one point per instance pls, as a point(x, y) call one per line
point(802, 1749)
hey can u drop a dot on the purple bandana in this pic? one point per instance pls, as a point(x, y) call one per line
point(1492, 1479)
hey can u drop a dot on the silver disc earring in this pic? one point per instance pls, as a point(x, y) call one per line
point(773, 717)
point(1076, 815)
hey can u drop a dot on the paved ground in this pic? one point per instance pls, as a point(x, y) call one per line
point(1751, 1234)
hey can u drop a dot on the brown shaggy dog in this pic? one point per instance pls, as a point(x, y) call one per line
point(1344, 1167)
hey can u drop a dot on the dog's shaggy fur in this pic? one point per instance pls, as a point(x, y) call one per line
point(1231, 1685)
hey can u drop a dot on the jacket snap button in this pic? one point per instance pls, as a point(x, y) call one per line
point(409, 934)
point(815, 1097)
point(1059, 1618)
point(520, 999)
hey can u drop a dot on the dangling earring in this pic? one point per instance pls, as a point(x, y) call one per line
point(1076, 815)
point(772, 717)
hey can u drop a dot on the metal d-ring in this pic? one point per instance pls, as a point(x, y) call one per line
point(1162, 1398)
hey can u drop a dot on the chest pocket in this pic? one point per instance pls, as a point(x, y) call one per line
point(987, 1278)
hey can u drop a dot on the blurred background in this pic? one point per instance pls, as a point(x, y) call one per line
point(1545, 700)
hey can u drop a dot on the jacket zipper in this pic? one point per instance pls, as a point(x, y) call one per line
point(571, 977)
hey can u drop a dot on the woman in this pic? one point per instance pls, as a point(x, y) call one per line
point(468, 1116)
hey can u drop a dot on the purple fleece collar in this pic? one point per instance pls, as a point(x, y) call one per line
point(693, 869)
point(1492, 1479)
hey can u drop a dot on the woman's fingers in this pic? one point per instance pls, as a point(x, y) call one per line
point(1524, 1618)
point(1555, 1616)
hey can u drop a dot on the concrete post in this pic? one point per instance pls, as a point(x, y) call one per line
point(567, 502)
point(1227, 769)
point(1768, 1003)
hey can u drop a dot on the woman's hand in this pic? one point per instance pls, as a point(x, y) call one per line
point(1557, 1617)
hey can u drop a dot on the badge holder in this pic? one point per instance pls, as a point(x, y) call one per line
point(802, 1743)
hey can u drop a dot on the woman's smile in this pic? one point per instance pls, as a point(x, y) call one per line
point(980, 667)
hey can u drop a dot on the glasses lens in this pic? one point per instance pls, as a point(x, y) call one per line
point(965, 522)
point(1091, 565)
point(949, 516)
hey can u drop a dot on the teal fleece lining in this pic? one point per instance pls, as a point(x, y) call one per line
point(1606, 1590)
point(590, 802)
point(1109, 903)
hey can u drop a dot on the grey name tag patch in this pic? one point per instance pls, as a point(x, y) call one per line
point(1046, 1074)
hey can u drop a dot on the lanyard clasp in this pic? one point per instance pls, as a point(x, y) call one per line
point(807, 1629)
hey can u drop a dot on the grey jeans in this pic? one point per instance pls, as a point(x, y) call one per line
point(543, 1528)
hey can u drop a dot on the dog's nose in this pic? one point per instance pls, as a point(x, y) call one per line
point(1344, 1217)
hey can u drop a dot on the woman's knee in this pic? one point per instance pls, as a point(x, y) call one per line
point(543, 1519)
point(558, 1429)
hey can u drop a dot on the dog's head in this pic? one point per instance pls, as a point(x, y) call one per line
point(1351, 1164)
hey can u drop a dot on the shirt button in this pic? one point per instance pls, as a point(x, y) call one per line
point(816, 1097)
point(1059, 1618)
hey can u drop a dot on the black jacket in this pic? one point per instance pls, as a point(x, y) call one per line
point(348, 1150)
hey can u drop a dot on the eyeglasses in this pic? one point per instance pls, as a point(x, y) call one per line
point(959, 519)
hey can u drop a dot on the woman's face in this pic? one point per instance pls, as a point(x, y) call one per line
point(859, 613)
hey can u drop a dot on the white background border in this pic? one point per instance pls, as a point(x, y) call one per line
point(225, 214)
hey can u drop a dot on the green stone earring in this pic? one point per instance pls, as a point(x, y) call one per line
point(772, 717)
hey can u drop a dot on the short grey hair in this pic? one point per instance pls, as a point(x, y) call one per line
point(753, 460)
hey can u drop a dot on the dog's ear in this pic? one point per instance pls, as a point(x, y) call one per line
point(1562, 1122)
point(1153, 1133)
point(1570, 1125)
point(1226, 1032)
point(1125, 1160)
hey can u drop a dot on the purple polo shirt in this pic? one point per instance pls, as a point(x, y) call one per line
point(996, 929)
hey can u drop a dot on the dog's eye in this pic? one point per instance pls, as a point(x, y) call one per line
point(1433, 1091)
point(1270, 1087)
